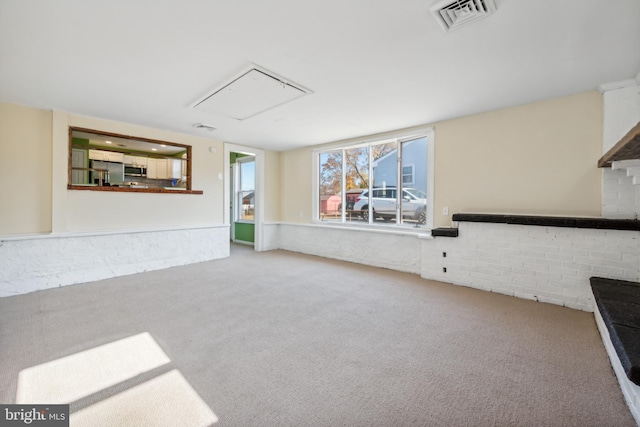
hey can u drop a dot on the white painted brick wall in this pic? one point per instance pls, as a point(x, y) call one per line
point(630, 390)
point(41, 262)
point(395, 251)
point(548, 264)
point(620, 198)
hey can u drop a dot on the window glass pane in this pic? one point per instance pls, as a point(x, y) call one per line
point(414, 180)
point(378, 183)
point(356, 180)
point(246, 192)
point(385, 176)
point(330, 185)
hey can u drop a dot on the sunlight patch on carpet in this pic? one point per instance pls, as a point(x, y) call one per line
point(166, 400)
point(81, 374)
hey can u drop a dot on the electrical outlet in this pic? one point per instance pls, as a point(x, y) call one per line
point(445, 211)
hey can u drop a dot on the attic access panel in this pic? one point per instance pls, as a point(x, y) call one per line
point(252, 93)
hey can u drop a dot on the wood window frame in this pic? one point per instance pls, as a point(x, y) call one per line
point(70, 186)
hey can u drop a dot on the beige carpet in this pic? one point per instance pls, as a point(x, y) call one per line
point(283, 339)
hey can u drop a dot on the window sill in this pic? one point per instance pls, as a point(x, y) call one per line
point(132, 190)
point(422, 232)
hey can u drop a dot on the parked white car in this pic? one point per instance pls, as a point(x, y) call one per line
point(414, 204)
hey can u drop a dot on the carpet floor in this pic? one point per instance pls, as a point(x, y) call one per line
point(285, 339)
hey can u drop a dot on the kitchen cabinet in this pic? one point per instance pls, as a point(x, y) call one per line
point(136, 161)
point(140, 161)
point(157, 168)
point(152, 168)
point(175, 168)
point(163, 168)
point(97, 155)
point(115, 157)
point(106, 156)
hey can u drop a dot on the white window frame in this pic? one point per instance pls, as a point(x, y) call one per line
point(398, 136)
point(238, 180)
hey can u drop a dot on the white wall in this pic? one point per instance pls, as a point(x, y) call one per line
point(620, 198)
point(51, 236)
point(34, 263)
point(547, 264)
point(378, 248)
point(98, 211)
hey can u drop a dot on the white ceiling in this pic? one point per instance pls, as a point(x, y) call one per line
point(372, 65)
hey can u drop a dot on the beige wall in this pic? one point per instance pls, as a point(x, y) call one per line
point(533, 159)
point(25, 170)
point(272, 200)
point(33, 180)
point(92, 210)
point(296, 188)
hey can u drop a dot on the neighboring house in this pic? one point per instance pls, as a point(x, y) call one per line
point(414, 174)
point(330, 203)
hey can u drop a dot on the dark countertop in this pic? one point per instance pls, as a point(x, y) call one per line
point(551, 221)
point(619, 304)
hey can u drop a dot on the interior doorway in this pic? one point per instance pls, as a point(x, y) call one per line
point(255, 209)
point(243, 195)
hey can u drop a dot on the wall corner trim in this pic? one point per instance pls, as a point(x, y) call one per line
point(605, 87)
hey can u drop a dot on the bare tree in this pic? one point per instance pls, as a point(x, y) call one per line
point(356, 167)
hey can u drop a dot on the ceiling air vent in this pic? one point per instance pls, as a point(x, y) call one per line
point(453, 14)
point(204, 127)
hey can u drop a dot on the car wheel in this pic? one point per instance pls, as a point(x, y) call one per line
point(422, 217)
point(365, 213)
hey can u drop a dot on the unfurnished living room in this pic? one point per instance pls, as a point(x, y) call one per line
point(339, 213)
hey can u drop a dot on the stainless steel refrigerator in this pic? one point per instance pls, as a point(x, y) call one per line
point(114, 175)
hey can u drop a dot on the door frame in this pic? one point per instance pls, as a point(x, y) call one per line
point(259, 189)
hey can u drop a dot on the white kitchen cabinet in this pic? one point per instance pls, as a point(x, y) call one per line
point(97, 155)
point(157, 168)
point(135, 161)
point(175, 168)
point(152, 168)
point(114, 157)
point(162, 168)
point(106, 156)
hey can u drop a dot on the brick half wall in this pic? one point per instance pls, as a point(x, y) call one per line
point(541, 263)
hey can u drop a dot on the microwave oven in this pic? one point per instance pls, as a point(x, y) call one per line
point(135, 171)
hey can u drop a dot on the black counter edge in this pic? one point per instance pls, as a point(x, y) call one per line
point(551, 221)
point(444, 232)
